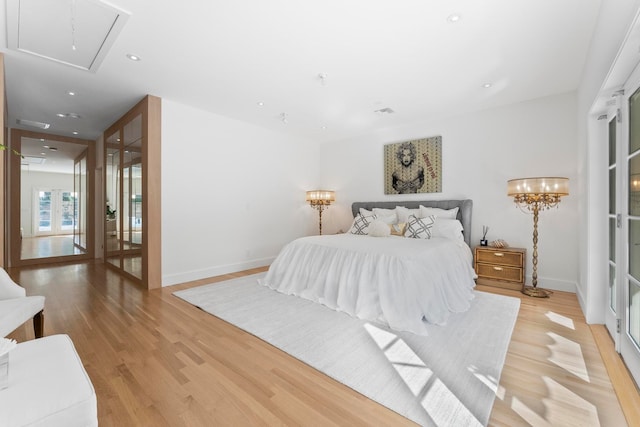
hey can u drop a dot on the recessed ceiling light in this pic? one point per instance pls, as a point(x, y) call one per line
point(69, 115)
point(323, 127)
point(453, 18)
point(75, 132)
point(487, 85)
point(133, 57)
point(260, 104)
point(45, 146)
point(60, 115)
point(71, 93)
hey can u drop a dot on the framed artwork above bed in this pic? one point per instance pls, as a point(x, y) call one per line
point(413, 166)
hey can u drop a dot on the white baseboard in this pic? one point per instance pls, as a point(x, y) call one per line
point(555, 284)
point(189, 276)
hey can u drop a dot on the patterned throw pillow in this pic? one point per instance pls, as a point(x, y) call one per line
point(361, 224)
point(419, 228)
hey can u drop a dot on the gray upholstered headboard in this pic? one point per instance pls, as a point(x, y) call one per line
point(464, 213)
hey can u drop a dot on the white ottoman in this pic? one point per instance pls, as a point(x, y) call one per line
point(48, 386)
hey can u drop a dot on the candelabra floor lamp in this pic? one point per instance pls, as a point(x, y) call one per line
point(320, 200)
point(535, 195)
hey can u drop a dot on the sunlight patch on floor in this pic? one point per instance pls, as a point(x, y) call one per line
point(568, 355)
point(562, 407)
point(490, 381)
point(560, 320)
point(442, 405)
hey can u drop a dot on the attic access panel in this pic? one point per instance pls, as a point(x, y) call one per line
point(78, 33)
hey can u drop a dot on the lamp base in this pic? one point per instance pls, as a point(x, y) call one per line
point(536, 292)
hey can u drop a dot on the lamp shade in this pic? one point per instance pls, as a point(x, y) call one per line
point(321, 197)
point(530, 186)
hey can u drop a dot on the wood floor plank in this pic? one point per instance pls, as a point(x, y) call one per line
point(156, 360)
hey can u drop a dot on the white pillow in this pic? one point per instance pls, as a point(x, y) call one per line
point(378, 228)
point(419, 228)
point(440, 213)
point(447, 228)
point(390, 215)
point(404, 213)
point(361, 224)
point(365, 212)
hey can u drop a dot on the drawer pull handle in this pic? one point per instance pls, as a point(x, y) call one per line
point(498, 254)
point(497, 268)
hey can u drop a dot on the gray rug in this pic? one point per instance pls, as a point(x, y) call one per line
point(448, 378)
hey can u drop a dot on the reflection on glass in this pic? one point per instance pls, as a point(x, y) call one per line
point(612, 141)
point(123, 224)
point(634, 312)
point(612, 239)
point(44, 207)
point(634, 185)
point(49, 200)
point(612, 191)
point(612, 287)
point(112, 205)
point(634, 248)
point(634, 122)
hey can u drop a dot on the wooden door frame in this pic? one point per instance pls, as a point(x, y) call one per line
point(150, 110)
point(14, 202)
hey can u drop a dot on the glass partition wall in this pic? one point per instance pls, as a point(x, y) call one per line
point(132, 194)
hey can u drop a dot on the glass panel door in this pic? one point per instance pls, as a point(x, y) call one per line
point(112, 228)
point(123, 223)
point(55, 213)
point(630, 294)
point(80, 202)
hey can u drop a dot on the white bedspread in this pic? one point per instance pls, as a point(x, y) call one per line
point(397, 281)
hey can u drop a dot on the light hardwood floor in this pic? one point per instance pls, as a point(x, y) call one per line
point(155, 360)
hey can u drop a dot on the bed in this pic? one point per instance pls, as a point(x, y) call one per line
point(403, 283)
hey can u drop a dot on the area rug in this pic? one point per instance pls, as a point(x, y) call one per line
point(448, 378)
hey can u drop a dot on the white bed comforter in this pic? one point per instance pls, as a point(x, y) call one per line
point(397, 281)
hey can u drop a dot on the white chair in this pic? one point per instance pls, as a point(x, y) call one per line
point(48, 386)
point(16, 308)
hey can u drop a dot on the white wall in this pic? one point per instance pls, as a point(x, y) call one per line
point(614, 20)
point(31, 181)
point(232, 193)
point(481, 151)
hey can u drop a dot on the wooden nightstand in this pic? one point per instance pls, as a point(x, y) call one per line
point(503, 267)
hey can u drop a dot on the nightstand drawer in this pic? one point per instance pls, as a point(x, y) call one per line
point(499, 257)
point(500, 272)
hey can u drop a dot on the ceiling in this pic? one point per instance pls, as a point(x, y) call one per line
point(323, 67)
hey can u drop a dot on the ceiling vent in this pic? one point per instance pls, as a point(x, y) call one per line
point(31, 160)
point(33, 124)
point(78, 33)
